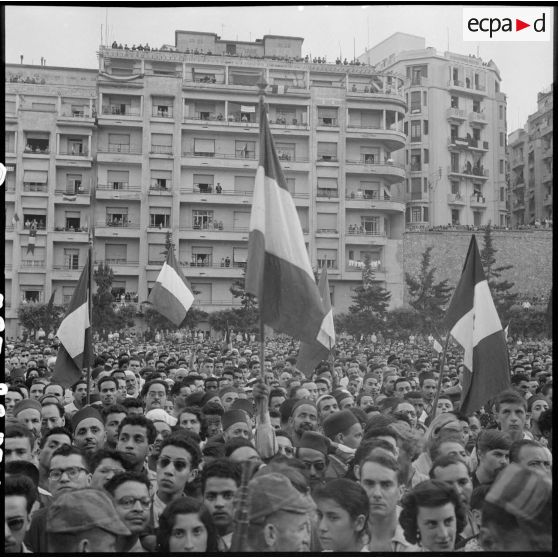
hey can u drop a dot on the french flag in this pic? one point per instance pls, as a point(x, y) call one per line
point(171, 295)
point(311, 354)
point(278, 267)
point(473, 322)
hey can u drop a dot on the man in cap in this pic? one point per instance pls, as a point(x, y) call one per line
point(313, 450)
point(236, 424)
point(278, 516)
point(84, 520)
point(303, 419)
point(342, 428)
point(28, 413)
point(89, 430)
point(326, 405)
point(517, 513)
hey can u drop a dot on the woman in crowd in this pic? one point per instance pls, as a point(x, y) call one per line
point(186, 526)
point(342, 515)
point(432, 515)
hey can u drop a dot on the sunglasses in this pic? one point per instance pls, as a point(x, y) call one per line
point(178, 464)
point(287, 449)
point(128, 502)
point(15, 523)
point(319, 466)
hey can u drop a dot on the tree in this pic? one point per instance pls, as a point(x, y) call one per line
point(427, 297)
point(34, 316)
point(103, 312)
point(248, 314)
point(500, 289)
point(157, 321)
point(223, 319)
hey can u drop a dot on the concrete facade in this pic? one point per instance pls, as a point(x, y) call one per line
point(456, 134)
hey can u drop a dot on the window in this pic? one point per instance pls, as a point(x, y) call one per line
point(160, 217)
point(202, 219)
point(502, 140)
point(426, 156)
point(203, 292)
point(501, 112)
point(425, 185)
point(454, 101)
point(67, 293)
point(406, 128)
point(117, 217)
point(425, 98)
point(202, 256)
point(416, 73)
point(415, 130)
point(32, 294)
point(244, 184)
point(71, 258)
point(455, 217)
point(415, 102)
point(290, 183)
point(73, 183)
point(501, 166)
point(497, 86)
point(36, 217)
point(327, 116)
point(73, 220)
point(118, 180)
point(455, 187)
point(240, 257)
point(119, 143)
point(327, 187)
point(369, 155)
point(425, 126)
point(454, 162)
point(204, 183)
point(241, 220)
point(75, 146)
point(161, 180)
point(156, 254)
point(327, 151)
point(476, 134)
point(118, 289)
point(285, 151)
point(327, 222)
point(245, 149)
point(415, 160)
point(35, 181)
point(476, 106)
point(162, 107)
point(327, 257)
point(204, 147)
point(36, 144)
point(369, 190)
point(416, 188)
point(115, 253)
point(502, 194)
point(454, 132)
point(370, 224)
point(161, 143)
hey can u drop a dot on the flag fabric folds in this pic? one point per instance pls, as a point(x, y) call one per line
point(473, 322)
point(74, 334)
point(171, 295)
point(278, 267)
point(311, 354)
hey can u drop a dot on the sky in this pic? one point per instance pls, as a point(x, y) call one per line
point(74, 33)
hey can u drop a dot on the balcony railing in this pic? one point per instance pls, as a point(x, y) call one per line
point(36, 150)
point(117, 261)
point(477, 117)
point(167, 189)
point(162, 113)
point(333, 122)
point(364, 161)
point(68, 267)
point(211, 264)
point(119, 148)
point(214, 227)
point(117, 224)
point(456, 198)
point(459, 114)
point(327, 158)
point(71, 229)
point(117, 110)
point(361, 231)
point(34, 187)
point(72, 190)
point(477, 200)
point(118, 186)
point(217, 155)
point(362, 196)
point(67, 113)
point(481, 172)
point(74, 152)
point(161, 149)
point(358, 265)
point(327, 231)
point(32, 263)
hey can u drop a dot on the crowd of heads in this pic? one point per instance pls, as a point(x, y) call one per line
point(173, 447)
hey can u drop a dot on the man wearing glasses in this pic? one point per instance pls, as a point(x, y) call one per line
point(19, 497)
point(177, 465)
point(68, 471)
point(130, 494)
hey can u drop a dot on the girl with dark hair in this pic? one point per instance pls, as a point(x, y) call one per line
point(186, 526)
point(342, 515)
point(432, 515)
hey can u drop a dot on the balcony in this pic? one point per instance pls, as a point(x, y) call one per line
point(390, 172)
point(456, 199)
point(547, 176)
point(35, 188)
point(328, 122)
point(212, 269)
point(392, 139)
point(115, 229)
point(469, 171)
point(370, 236)
point(468, 143)
point(327, 233)
point(361, 200)
point(547, 199)
point(517, 162)
point(32, 264)
point(518, 205)
point(118, 191)
point(456, 114)
point(120, 111)
point(75, 152)
point(120, 266)
point(38, 152)
point(477, 118)
point(376, 91)
point(69, 116)
point(116, 153)
point(161, 150)
point(69, 234)
point(478, 202)
point(219, 159)
point(214, 232)
point(466, 88)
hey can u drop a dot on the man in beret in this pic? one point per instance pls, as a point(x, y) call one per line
point(313, 450)
point(278, 516)
point(342, 428)
point(236, 424)
point(28, 413)
point(89, 430)
point(227, 395)
point(84, 520)
point(326, 405)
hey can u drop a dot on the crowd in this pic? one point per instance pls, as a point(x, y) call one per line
point(190, 446)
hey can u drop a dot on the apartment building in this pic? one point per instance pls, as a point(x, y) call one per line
point(455, 126)
point(530, 161)
point(168, 141)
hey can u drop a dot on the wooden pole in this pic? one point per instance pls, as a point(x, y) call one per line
point(439, 386)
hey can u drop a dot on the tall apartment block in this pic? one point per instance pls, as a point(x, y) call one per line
point(455, 125)
point(530, 164)
point(168, 141)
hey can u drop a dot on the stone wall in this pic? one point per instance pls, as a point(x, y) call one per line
point(530, 252)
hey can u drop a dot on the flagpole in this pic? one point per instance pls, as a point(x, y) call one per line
point(262, 84)
point(439, 386)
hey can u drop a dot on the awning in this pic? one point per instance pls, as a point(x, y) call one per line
point(35, 176)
